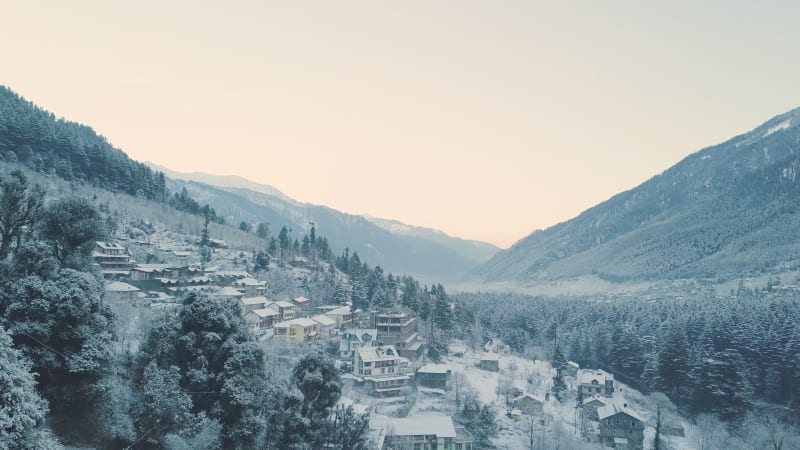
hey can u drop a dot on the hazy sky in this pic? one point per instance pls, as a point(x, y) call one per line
point(484, 119)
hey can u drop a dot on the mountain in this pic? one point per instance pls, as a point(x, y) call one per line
point(727, 211)
point(396, 253)
point(225, 181)
point(391, 244)
point(475, 250)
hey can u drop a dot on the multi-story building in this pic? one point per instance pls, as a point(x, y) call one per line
point(595, 381)
point(423, 432)
point(621, 427)
point(384, 369)
point(398, 328)
point(297, 330)
point(251, 287)
point(113, 259)
point(353, 339)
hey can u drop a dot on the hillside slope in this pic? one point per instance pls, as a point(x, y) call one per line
point(727, 210)
point(392, 244)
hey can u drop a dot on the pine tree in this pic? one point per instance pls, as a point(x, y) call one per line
point(673, 367)
point(22, 411)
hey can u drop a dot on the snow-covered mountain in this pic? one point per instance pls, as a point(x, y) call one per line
point(729, 210)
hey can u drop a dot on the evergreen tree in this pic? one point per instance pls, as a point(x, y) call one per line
point(22, 410)
point(20, 206)
point(673, 367)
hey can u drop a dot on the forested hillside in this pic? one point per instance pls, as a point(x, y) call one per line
point(723, 356)
point(725, 212)
point(36, 138)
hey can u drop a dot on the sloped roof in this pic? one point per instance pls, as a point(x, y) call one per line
point(614, 409)
point(441, 426)
point(323, 320)
point(118, 286)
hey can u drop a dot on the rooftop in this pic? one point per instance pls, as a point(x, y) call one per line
point(265, 312)
point(441, 426)
point(586, 376)
point(614, 409)
point(323, 320)
point(254, 300)
point(383, 353)
point(303, 322)
point(118, 286)
point(434, 368)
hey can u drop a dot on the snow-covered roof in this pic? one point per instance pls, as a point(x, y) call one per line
point(383, 353)
point(441, 426)
point(265, 312)
point(249, 282)
point(340, 311)
point(260, 300)
point(324, 320)
point(538, 398)
point(118, 286)
point(600, 376)
point(595, 398)
point(283, 304)
point(490, 357)
point(181, 253)
point(359, 333)
point(228, 291)
point(300, 300)
point(434, 368)
point(302, 321)
point(109, 245)
point(614, 409)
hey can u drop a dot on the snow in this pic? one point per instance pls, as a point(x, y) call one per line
point(781, 126)
point(534, 377)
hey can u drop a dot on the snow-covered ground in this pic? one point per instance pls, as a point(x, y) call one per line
point(559, 422)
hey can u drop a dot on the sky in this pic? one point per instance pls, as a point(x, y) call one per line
point(484, 119)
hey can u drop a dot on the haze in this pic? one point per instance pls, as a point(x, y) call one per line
point(484, 119)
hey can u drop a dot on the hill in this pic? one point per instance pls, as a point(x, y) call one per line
point(729, 210)
point(396, 246)
point(396, 253)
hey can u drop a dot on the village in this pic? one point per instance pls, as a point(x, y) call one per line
point(412, 401)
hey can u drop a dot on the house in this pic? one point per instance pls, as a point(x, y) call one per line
point(297, 330)
point(263, 318)
point(147, 272)
point(229, 293)
point(384, 369)
point(327, 326)
point(621, 427)
point(398, 328)
point(251, 287)
point(434, 376)
point(182, 256)
point(301, 303)
point(422, 432)
point(529, 404)
point(595, 381)
point(118, 291)
point(490, 361)
point(156, 298)
point(285, 309)
point(355, 338)
point(342, 315)
point(252, 303)
point(113, 259)
point(592, 404)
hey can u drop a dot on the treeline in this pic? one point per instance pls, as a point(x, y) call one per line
point(709, 355)
point(35, 138)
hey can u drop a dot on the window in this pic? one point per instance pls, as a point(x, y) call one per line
point(633, 423)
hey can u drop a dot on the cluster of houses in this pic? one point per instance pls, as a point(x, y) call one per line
point(379, 352)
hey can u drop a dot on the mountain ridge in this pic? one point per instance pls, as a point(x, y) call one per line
point(615, 238)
